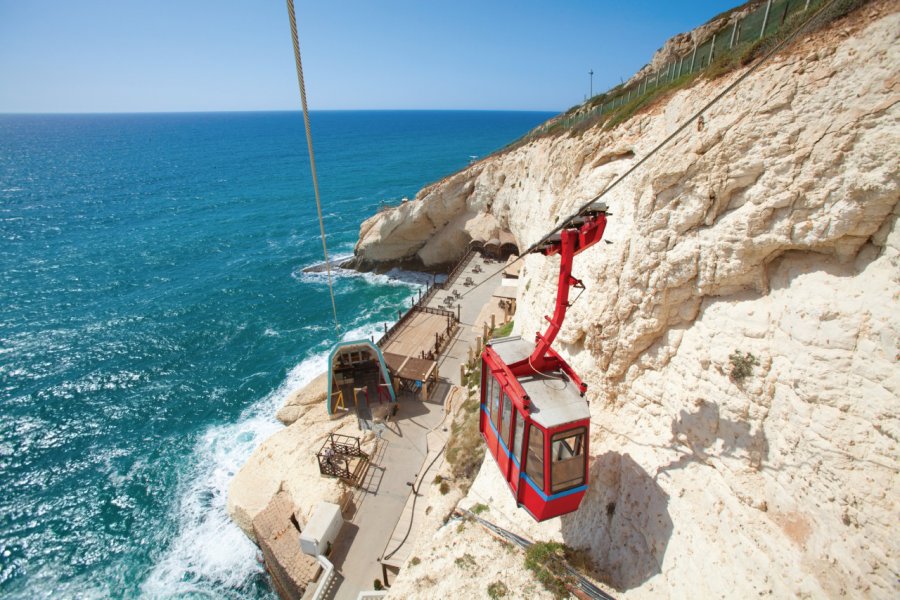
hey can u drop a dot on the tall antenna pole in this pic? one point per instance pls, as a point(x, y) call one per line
point(591, 73)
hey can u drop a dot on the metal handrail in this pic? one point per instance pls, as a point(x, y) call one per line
point(325, 579)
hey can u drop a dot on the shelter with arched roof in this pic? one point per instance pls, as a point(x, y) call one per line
point(357, 373)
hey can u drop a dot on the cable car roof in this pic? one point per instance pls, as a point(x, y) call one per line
point(555, 399)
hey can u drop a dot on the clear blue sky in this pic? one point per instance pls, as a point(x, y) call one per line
point(198, 55)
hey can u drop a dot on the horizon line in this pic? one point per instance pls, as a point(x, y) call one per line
point(273, 110)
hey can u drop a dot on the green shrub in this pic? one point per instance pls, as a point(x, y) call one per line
point(497, 589)
point(546, 560)
point(466, 561)
point(445, 487)
point(464, 448)
point(503, 330)
point(742, 364)
point(415, 560)
point(479, 508)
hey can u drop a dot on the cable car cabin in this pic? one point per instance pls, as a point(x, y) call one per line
point(536, 428)
point(534, 417)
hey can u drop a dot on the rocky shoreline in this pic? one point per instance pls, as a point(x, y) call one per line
point(768, 231)
point(766, 235)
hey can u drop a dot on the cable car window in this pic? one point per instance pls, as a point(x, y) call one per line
point(534, 466)
point(567, 460)
point(507, 417)
point(495, 404)
point(517, 439)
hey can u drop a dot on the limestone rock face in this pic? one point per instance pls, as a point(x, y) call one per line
point(770, 229)
point(310, 397)
point(287, 461)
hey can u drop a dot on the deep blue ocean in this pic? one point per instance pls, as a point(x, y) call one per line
point(154, 315)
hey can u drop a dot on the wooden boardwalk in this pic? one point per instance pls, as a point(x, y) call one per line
point(417, 334)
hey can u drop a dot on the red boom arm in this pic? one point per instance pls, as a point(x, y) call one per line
point(571, 242)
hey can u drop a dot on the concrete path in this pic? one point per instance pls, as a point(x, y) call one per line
point(470, 307)
point(385, 497)
point(382, 496)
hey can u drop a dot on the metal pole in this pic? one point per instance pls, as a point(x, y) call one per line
point(680, 64)
point(693, 58)
point(806, 5)
point(733, 33)
point(787, 7)
point(762, 31)
point(591, 73)
point(712, 48)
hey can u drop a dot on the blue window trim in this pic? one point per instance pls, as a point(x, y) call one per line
point(497, 435)
point(547, 498)
point(522, 475)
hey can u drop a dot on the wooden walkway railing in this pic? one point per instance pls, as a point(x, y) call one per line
point(421, 305)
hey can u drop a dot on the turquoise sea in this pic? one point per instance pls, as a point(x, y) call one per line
point(154, 315)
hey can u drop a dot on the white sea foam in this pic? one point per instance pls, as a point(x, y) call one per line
point(210, 554)
point(394, 277)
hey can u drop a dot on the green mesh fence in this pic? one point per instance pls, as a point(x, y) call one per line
point(729, 39)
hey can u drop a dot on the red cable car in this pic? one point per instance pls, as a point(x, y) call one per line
point(534, 417)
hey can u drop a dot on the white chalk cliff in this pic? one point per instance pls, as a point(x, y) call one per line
point(769, 229)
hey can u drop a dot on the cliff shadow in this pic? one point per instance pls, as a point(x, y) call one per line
point(623, 523)
point(704, 433)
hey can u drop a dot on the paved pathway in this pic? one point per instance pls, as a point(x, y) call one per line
point(383, 505)
point(470, 307)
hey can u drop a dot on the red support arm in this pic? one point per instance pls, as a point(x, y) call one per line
point(572, 241)
point(567, 252)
